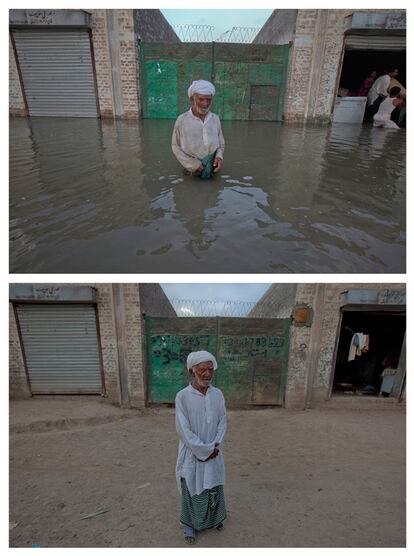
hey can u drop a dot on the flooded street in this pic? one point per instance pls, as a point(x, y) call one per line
point(109, 197)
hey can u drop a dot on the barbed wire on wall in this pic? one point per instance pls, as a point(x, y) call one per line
point(204, 33)
point(239, 35)
point(210, 308)
point(194, 33)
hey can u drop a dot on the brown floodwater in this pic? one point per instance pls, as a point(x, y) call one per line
point(108, 196)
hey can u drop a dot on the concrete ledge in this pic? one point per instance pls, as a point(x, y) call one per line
point(361, 402)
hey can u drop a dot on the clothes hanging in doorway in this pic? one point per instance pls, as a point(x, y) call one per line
point(359, 345)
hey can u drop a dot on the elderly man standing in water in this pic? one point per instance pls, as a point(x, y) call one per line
point(197, 139)
point(200, 416)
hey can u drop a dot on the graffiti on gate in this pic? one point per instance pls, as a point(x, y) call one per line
point(168, 349)
point(176, 348)
point(252, 357)
point(234, 348)
point(250, 79)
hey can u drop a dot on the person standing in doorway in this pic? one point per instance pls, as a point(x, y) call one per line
point(200, 417)
point(380, 86)
point(383, 117)
point(197, 140)
point(367, 84)
point(378, 92)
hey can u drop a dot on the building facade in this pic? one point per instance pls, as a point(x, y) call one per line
point(87, 63)
point(325, 318)
point(126, 343)
point(331, 49)
point(69, 339)
point(79, 63)
point(90, 60)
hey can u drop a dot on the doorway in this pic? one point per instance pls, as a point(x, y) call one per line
point(364, 374)
point(358, 64)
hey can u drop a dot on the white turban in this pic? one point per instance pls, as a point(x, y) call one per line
point(196, 357)
point(201, 87)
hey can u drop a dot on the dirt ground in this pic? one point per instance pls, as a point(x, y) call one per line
point(316, 478)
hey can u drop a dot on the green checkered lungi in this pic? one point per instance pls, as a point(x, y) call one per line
point(202, 511)
point(208, 167)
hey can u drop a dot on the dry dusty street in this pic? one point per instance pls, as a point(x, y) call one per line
point(328, 478)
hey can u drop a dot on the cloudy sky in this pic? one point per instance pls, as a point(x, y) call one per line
point(216, 292)
point(221, 20)
point(222, 298)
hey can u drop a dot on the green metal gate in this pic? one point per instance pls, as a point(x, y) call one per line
point(252, 357)
point(250, 79)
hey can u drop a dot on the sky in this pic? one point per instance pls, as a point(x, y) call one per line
point(221, 20)
point(219, 294)
point(216, 292)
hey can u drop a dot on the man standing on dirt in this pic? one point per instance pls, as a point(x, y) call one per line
point(200, 417)
point(197, 140)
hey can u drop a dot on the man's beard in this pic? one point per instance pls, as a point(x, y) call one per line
point(201, 382)
point(203, 111)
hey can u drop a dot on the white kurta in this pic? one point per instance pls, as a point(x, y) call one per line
point(383, 117)
point(193, 139)
point(380, 87)
point(201, 422)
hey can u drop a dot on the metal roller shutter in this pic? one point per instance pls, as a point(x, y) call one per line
point(61, 348)
point(375, 42)
point(57, 72)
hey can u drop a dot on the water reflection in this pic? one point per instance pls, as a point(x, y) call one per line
point(101, 196)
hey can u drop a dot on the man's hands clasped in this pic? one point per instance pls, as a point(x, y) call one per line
point(214, 453)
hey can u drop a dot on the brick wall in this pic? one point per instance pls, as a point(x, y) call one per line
point(151, 26)
point(102, 62)
point(276, 302)
point(278, 29)
point(132, 328)
point(134, 335)
point(300, 65)
point(154, 302)
point(129, 65)
point(18, 388)
point(332, 64)
point(299, 353)
point(109, 346)
point(16, 101)
point(124, 46)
